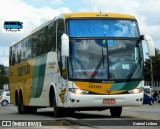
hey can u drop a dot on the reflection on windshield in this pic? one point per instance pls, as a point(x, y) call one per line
point(84, 58)
point(102, 28)
point(111, 59)
point(124, 59)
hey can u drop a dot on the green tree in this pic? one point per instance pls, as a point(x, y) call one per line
point(3, 76)
point(156, 67)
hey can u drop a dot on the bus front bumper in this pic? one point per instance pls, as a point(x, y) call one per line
point(81, 100)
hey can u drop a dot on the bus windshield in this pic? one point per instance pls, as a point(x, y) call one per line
point(105, 59)
point(102, 28)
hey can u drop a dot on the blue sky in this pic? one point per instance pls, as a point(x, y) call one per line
point(34, 12)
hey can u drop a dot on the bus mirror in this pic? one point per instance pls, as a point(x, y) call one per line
point(150, 45)
point(64, 45)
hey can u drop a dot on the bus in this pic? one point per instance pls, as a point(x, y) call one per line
point(13, 25)
point(79, 62)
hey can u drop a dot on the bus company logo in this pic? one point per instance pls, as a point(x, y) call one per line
point(108, 90)
point(12, 26)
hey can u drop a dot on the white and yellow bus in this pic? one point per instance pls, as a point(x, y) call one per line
point(79, 61)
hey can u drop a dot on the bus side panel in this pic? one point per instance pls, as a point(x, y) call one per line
point(20, 78)
point(42, 81)
point(34, 78)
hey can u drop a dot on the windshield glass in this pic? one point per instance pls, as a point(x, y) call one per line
point(84, 58)
point(102, 28)
point(105, 59)
point(125, 59)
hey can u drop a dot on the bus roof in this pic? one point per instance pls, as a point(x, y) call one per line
point(96, 15)
point(79, 15)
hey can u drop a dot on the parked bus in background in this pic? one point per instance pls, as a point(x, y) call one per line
point(79, 61)
point(13, 25)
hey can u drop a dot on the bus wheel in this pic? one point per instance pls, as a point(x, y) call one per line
point(116, 111)
point(20, 106)
point(4, 103)
point(151, 102)
point(57, 110)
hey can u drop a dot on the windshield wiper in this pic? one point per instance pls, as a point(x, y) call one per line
point(71, 65)
point(97, 68)
point(134, 68)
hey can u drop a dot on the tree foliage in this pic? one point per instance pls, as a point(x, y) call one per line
point(156, 67)
point(3, 76)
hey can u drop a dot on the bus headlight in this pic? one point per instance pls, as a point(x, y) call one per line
point(78, 91)
point(136, 90)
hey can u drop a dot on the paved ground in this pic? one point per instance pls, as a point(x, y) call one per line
point(92, 119)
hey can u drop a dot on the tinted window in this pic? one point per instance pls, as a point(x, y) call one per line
point(13, 56)
point(18, 24)
point(10, 23)
point(18, 53)
point(42, 41)
point(23, 51)
point(28, 47)
point(60, 31)
point(103, 28)
point(51, 33)
point(38, 43)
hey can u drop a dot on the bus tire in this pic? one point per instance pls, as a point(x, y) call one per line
point(116, 111)
point(151, 102)
point(21, 108)
point(57, 110)
point(4, 103)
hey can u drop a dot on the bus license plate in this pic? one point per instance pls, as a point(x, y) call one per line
point(109, 101)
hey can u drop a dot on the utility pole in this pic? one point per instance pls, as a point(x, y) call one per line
point(151, 72)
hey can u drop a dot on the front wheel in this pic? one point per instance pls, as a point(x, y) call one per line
point(4, 103)
point(58, 111)
point(116, 111)
point(151, 102)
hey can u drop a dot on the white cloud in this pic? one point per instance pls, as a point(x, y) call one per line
point(29, 15)
point(4, 53)
point(56, 1)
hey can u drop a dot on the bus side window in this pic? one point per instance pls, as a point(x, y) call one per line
point(23, 54)
point(60, 31)
point(10, 56)
point(17, 53)
point(51, 37)
point(13, 57)
point(28, 47)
